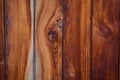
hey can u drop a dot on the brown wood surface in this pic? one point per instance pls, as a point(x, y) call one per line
point(1, 40)
point(59, 39)
point(48, 39)
point(18, 37)
point(76, 63)
point(106, 33)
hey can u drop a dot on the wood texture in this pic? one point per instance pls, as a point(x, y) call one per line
point(106, 33)
point(76, 64)
point(18, 37)
point(1, 40)
point(59, 39)
point(48, 38)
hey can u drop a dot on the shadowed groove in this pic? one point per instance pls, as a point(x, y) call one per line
point(5, 33)
point(34, 51)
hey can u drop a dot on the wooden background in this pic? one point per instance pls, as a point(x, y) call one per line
point(59, 39)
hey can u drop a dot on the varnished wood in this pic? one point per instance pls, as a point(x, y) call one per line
point(1, 40)
point(48, 39)
point(18, 38)
point(76, 63)
point(59, 39)
point(106, 33)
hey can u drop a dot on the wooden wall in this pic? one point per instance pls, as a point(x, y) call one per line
point(2, 67)
point(59, 39)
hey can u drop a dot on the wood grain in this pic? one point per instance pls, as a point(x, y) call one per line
point(18, 37)
point(60, 39)
point(48, 39)
point(76, 64)
point(1, 40)
point(106, 33)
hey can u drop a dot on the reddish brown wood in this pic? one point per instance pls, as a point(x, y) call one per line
point(91, 40)
point(1, 40)
point(106, 32)
point(76, 55)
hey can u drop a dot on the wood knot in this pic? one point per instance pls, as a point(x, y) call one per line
point(72, 76)
point(52, 35)
point(59, 23)
point(105, 30)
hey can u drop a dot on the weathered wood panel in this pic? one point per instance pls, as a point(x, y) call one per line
point(48, 39)
point(17, 38)
point(76, 54)
point(1, 40)
point(106, 33)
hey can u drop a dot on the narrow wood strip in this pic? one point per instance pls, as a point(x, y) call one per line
point(76, 40)
point(48, 39)
point(1, 40)
point(18, 38)
point(106, 32)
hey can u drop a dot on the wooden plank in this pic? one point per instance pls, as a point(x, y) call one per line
point(76, 54)
point(106, 33)
point(48, 40)
point(1, 40)
point(17, 39)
